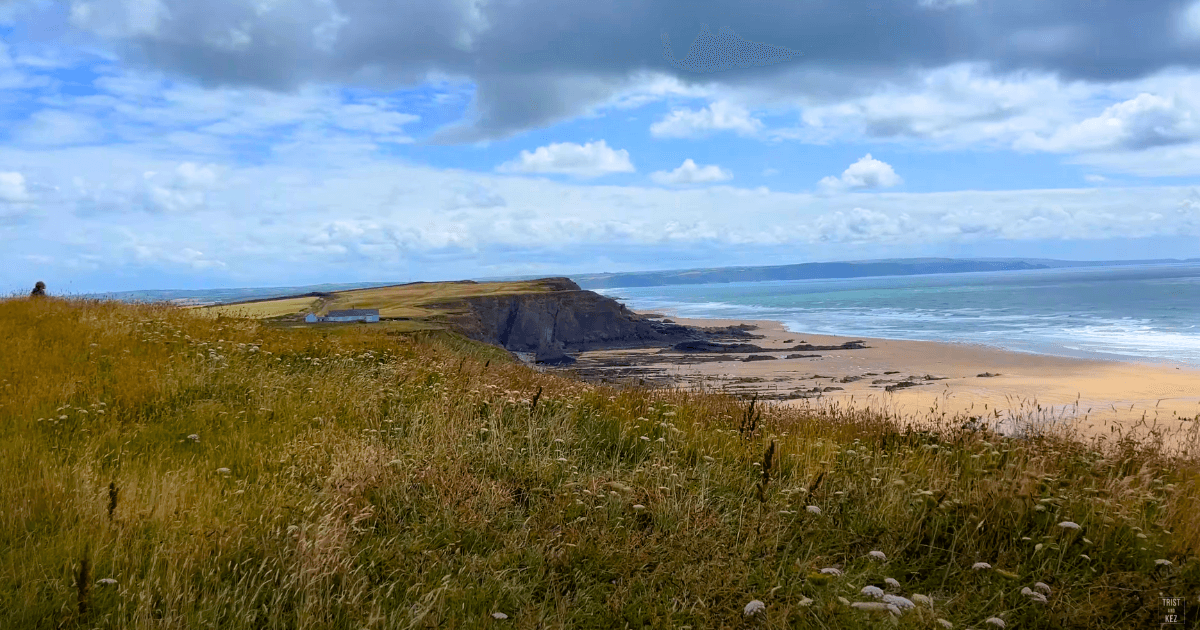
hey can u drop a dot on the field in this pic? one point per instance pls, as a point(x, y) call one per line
point(405, 301)
point(163, 469)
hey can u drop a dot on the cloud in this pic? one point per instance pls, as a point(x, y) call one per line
point(867, 173)
point(944, 4)
point(860, 225)
point(12, 188)
point(719, 116)
point(1095, 179)
point(185, 191)
point(56, 127)
point(727, 51)
point(690, 173)
point(567, 158)
point(767, 172)
point(1143, 122)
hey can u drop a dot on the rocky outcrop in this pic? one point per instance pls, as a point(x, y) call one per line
point(564, 319)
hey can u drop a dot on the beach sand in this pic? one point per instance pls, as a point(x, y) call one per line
point(1096, 397)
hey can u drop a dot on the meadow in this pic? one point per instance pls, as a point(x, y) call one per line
point(164, 469)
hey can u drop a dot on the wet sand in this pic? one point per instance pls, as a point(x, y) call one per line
point(1097, 397)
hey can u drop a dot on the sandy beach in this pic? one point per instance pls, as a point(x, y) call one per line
point(923, 379)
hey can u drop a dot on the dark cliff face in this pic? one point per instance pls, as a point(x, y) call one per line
point(568, 320)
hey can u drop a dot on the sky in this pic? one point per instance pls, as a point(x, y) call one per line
point(175, 144)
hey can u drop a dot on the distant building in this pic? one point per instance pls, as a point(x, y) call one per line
point(368, 315)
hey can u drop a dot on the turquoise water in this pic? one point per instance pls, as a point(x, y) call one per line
point(1131, 313)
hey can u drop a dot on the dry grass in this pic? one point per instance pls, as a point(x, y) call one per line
point(352, 478)
point(262, 310)
point(406, 300)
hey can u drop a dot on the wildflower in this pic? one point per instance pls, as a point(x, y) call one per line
point(922, 599)
point(831, 571)
point(995, 621)
point(638, 506)
point(1038, 597)
point(1085, 557)
point(645, 438)
point(1162, 562)
point(812, 509)
point(878, 555)
point(222, 471)
point(753, 608)
point(1038, 547)
point(499, 615)
point(873, 591)
point(1068, 525)
point(902, 603)
point(1042, 586)
point(193, 437)
point(945, 624)
point(107, 581)
point(979, 566)
point(891, 582)
point(1086, 541)
point(804, 601)
point(845, 602)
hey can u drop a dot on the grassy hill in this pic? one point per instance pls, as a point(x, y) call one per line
point(160, 468)
point(422, 303)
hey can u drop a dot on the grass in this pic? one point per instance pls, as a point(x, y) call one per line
point(162, 469)
point(412, 301)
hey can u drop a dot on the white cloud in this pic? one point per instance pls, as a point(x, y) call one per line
point(690, 173)
point(867, 173)
point(12, 187)
point(767, 172)
point(943, 4)
point(1190, 24)
point(55, 127)
point(1145, 121)
point(718, 116)
point(1095, 179)
point(589, 160)
point(860, 225)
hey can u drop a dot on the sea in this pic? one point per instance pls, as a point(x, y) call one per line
point(1132, 313)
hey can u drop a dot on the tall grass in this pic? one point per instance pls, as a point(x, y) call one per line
point(159, 469)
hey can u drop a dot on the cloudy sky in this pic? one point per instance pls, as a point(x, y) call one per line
point(184, 144)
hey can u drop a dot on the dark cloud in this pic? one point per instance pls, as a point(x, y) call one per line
point(541, 61)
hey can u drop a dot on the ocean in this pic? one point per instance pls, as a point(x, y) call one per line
point(1147, 312)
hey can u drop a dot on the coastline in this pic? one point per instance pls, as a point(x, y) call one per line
point(1096, 397)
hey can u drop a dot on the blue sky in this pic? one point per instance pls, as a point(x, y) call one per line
point(172, 144)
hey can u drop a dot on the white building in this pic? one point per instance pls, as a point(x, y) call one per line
point(368, 315)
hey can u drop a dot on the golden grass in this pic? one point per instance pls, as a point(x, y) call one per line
point(261, 310)
point(395, 301)
point(349, 477)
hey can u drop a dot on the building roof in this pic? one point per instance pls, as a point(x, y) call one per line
point(353, 312)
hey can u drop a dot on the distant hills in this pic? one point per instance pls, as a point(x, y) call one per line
point(802, 271)
point(848, 269)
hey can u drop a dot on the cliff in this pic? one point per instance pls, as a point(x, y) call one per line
point(565, 319)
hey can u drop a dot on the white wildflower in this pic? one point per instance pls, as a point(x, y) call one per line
point(638, 506)
point(945, 624)
point(902, 603)
point(1068, 525)
point(1042, 586)
point(922, 599)
point(878, 555)
point(1085, 557)
point(831, 571)
point(753, 608)
point(499, 615)
point(1038, 597)
point(222, 471)
point(1162, 562)
point(845, 602)
point(812, 509)
point(873, 591)
point(107, 581)
point(193, 437)
point(979, 566)
point(1027, 591)
point(892, 582)
point(804, 601)
point(995, 621)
